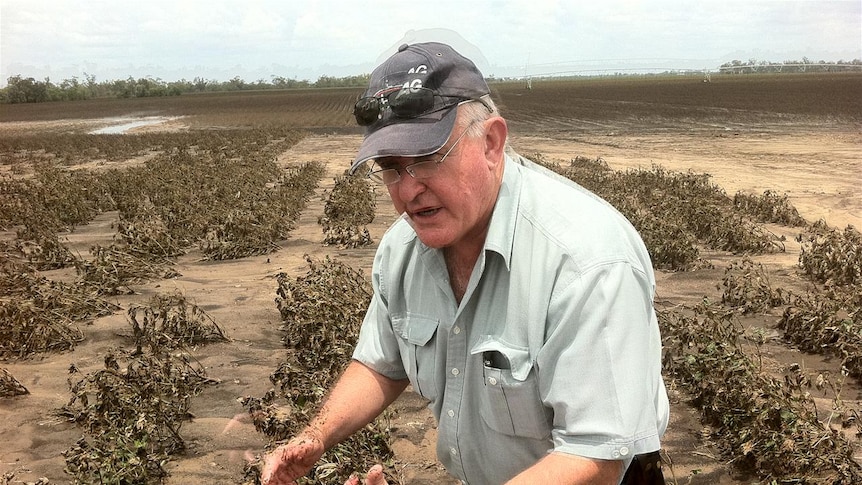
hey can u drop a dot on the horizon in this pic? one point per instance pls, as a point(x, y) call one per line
point(855, 64)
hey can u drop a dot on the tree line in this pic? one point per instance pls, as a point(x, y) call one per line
point(21, 89)
point(29, 90)
point(753, 66)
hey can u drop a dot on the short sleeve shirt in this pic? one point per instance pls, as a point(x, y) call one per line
point(555, 345)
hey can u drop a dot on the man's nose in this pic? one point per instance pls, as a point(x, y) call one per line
point(409, 187)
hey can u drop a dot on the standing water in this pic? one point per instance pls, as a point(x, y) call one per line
point(122, 128)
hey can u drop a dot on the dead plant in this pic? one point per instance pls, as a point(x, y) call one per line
point(170, 321)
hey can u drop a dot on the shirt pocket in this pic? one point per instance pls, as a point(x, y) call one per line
point(509, 400)
point(418, 350)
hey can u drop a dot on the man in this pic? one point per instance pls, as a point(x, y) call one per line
point(517, 302)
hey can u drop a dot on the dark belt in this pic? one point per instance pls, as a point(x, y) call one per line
point(645, 470)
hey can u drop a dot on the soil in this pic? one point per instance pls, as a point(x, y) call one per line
point(819, 170)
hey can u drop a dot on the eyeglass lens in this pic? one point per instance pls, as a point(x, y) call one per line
point(419, 170)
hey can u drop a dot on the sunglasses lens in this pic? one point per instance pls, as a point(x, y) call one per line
point(366, 111)
point(411, 102)
point(404, 103)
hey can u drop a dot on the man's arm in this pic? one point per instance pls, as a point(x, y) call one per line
point(565, 469)
point(358, 397)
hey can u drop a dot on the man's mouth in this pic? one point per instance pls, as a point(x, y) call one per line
point(424, 212)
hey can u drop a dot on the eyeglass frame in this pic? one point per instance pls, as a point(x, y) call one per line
point(375, 175)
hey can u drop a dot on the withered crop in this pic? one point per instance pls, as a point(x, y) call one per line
point(40, 315)
point(348, 210)
point(766, 426)
point(321, 313)
point(170, 321)
point(131, 412)
point(9, 386)
point(746, 288)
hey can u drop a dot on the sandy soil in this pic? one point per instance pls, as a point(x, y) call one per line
point(819, 171)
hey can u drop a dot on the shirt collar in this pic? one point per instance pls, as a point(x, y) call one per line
point(501, 231)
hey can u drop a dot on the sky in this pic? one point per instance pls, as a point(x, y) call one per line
point(219, 39)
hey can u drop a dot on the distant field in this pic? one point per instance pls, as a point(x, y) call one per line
point(657, 104)
point(588, 104)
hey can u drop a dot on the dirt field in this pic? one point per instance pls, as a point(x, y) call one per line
point(817, 163)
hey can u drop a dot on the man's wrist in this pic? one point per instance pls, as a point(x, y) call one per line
point(311, 434)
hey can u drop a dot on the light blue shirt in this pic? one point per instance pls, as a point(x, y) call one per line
point(554, 347)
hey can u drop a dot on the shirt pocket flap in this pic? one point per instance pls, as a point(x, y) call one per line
point(519, 359)
point(415, 328)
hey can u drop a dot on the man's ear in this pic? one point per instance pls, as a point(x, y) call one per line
point(496, 132)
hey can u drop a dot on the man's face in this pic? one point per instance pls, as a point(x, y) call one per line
point(454, 205)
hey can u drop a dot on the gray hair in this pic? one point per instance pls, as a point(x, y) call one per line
point(472, 112)
point(479, 110)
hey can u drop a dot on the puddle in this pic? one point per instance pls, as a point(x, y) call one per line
point(123, 125)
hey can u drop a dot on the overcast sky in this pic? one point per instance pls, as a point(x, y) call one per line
point(219, 39)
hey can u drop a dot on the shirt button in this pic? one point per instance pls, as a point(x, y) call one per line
point(451, 413)
point(624, 451)
point(492, 381)
point(456, 330)
point(455, 371)
point(453, 451)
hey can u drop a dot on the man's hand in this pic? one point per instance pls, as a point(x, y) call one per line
point(358, 397)
point(375, 477)
point(291, 461)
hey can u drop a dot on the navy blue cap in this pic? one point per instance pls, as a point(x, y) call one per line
point(431, 65)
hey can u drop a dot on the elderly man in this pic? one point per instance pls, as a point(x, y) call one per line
point(518, 303)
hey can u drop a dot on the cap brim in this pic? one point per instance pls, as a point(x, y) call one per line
point(414, 137)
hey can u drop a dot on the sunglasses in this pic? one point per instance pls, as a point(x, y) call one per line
point(403, 103)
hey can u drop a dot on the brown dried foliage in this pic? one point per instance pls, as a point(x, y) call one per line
point(674, 212)
point(170, 322)
point(767, 426)
point(349, 208)
point(131, 412)
point(746, 288)
point(321, 312)
point(39, 315)
point(9, 386)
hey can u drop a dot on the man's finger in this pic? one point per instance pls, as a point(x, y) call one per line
point(353, 480)
point(375, 476)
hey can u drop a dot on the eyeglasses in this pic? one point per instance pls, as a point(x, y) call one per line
point(403, 102)
point(422, 169)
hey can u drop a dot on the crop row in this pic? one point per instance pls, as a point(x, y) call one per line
point(827, 319)
point(223, 194)
point(133, 409)
point(349, 209)
point(765, 425)
point(228, 198)
point(321, 313)
point(675, 212)
point(226, 195)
